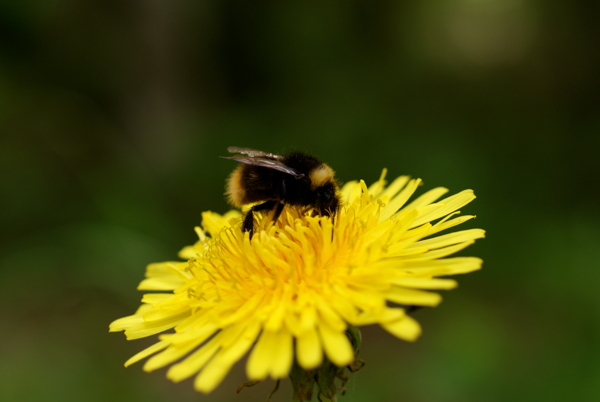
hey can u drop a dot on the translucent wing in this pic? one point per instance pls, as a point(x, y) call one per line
point(253, 153)
point(265, 162)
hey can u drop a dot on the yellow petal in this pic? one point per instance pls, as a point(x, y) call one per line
point(441, 253)
point(336, 345)
point(308, 350)
point(427, 198)
point(194, 362)
point(328, 315)
point(376, 188)
point(282, 354)
point(308, 318)
point(165, 276)
point(405, 328)
point(153, 298)
point(212, 222)
point(214, 372)
point(399, 200)
point(145, 329)
point(125, 322)
point(171, 354)
point(444, 266)
point(174, 312)
point(393, 188)
point(259, 362)
point(448, 223)
point(425, 283)
point(187, 252)
point(446, 206)
point(413, 297)
point(157, 347)
point(451, 239)
point(350, 191)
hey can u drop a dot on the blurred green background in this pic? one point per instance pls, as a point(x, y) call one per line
point(113, 115)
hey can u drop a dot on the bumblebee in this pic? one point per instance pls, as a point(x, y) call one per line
point(295, 179)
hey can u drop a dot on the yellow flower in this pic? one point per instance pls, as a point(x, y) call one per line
point(292, 291)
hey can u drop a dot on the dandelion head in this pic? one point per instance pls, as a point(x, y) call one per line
point(289, 294)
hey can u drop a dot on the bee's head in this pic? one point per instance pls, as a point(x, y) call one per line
point(326, 201)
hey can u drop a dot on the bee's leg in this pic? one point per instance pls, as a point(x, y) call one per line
point(248, 224)
point(277, 212)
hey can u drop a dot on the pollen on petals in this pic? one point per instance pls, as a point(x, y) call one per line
point(291, 292)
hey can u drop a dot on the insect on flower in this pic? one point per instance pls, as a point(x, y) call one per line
point(290, 297)
point(296, 179)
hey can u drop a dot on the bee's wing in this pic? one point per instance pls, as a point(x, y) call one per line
point(265, 162)
point(253, 153)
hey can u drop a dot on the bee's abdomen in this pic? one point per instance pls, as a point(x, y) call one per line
point(248, 184)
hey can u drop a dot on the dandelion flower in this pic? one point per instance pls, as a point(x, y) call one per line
point(289, 295)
